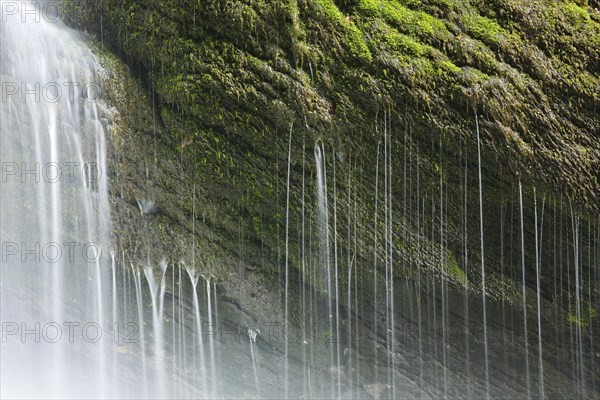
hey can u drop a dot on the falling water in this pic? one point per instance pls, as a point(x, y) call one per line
point(157, 295)
point(465, 252)
point(375, 258)
point(391, 313)
point(537, 275)
point(325, 257)
point(214, 323)
point(140, 318)
point(336, 284)
point(387, 243)
point(304, 271)
point(256, 382)
point(181, 320)
point(349, 261)
point(287, 241)
point(173, 314)
point(524, 291)
point(54, 206)
point(483, 296)
point(194, 278)
point(419, 284)
point(211, 341)
point(576, 261)
point(443, 265)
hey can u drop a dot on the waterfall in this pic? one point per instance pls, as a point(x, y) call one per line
point(82, 318)
point(256, 384)
point(194, 278)
point(485, 342)
point(523, 283)
point(537, 280)
point(287, 267)
point(157, 295)
point(140, 317)
point(54, 210)
point(211, 344)
point(324, 248)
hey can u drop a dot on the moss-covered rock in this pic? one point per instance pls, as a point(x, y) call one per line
point(231, 80)
point(246, 68)
point(228, 82)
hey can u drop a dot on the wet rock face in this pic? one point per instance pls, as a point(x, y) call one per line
point(198, 155)
point(228, 74)
point(229, 82)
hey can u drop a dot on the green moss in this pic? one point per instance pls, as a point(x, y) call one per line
point(587, 316)
point(417, 23)
point(406, 45)
point(449, 66)
point(576, 14)
point(352, 34)
point(482, 28)
point(455, 271)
